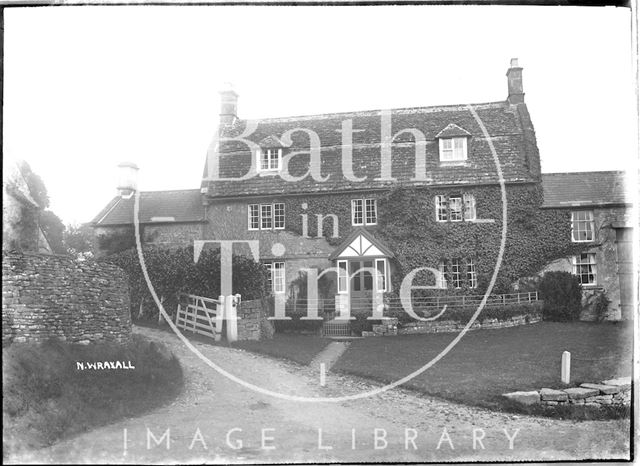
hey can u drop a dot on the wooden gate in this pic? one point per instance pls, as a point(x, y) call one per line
point(201, 315)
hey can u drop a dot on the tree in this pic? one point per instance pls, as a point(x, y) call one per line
point(37, 188)
point(53, 229)
point(78, 240)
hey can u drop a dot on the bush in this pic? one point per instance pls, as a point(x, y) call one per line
point(47, 398)
point(562, 295)
point(173, 271)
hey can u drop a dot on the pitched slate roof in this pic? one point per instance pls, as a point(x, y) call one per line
point(155, 207)
point(583, 189)
point(501, 119)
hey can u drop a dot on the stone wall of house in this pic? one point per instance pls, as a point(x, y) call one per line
point(605, 249)
point(173, 235)
point(297, 251)
point(45, 296)
point(252, 321)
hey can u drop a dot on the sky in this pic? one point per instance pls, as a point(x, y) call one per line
point(87, 87)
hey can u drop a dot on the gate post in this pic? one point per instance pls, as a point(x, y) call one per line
point(231, 317)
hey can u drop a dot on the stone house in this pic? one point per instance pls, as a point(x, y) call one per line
point(308, 190)
point(600, 218)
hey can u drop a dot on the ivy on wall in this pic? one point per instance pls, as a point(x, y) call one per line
point(407, 225)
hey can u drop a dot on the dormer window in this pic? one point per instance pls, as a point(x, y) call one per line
point(453, 149)
point(453, 141)
point(269, 160)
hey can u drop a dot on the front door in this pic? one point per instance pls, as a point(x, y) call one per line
point(361, 286)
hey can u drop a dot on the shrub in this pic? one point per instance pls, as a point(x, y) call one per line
point(46, 397)
point(172, 271)
point(562, 295)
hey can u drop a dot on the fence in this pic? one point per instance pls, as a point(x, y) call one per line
point(200, 315)
point(328, 310)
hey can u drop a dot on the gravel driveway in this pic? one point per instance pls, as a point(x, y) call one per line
point(216, 420)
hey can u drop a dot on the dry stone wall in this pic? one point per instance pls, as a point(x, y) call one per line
point(252, 321)
point(50, 296)
point(608, 392)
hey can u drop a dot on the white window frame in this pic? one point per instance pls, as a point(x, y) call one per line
point(456, 272)
point(266, 219)
point(469, 206)
point(442, 279)
point(276, 280)
point(278, 216)
point(361, 205)
point(453, 154)
point(343, 277)
point(273, 159)
point(273, 217)
point(442, 209)
point(384, 277)
point(577, 222)
point(455, 214)
point(472, 274)
point(251, 217)
point(589, 262)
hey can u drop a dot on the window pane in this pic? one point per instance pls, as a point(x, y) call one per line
point(584, 267)
point(278, 277)
point(582, 225)
point(472, 277)
point(371, 214)
point(469, 207)
point(356, 211)
point(265, 214)
point(254, 217)
point(442, 282)
point(455, 273)
point(455, 206)
point(441, 209)
point(278, 216)
point(264, 160)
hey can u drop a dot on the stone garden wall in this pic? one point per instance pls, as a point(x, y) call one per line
point(390, 325)
point(252, 321)
point(609, 392)
point(45, 296)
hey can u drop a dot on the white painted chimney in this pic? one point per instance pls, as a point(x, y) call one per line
point(127, 179)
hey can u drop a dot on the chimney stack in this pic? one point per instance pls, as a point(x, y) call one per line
point(514, 77)
point(127, 179)
point(228, 105)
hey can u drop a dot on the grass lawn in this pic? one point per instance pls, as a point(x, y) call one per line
point(487, 363)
